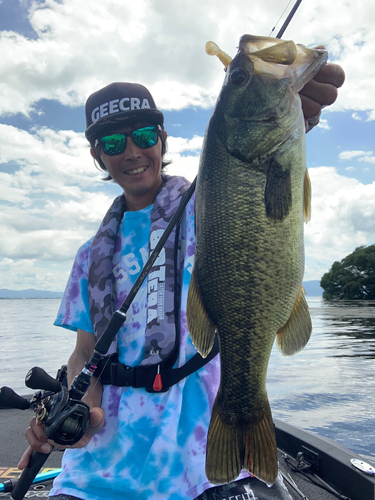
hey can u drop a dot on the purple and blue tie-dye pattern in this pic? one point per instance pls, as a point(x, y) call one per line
point(152, 445)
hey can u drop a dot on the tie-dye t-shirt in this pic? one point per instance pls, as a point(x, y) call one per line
point(152, 446)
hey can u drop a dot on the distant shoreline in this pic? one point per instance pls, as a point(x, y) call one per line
point(30, 293)
point(312, 289)
point(31, 298)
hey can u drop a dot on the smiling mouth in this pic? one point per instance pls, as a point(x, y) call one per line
point(136, 170)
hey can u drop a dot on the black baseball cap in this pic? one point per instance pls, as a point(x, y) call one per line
point(119, 102)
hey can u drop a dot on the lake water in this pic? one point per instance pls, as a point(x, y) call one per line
point(328, 388)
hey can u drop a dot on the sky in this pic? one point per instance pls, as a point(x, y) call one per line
point(55, 53)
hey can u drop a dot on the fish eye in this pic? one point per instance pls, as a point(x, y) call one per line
point(238, 76)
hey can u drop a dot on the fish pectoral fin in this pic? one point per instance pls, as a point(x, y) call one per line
point(249, 446)
point(295, 334)
point(278, 191)
point(307, 197)
point(202, 330)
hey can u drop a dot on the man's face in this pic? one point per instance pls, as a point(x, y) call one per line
point(136, 170)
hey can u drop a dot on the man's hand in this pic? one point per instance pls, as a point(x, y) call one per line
point(38, 441)
point(35, 434)
point(320, 92)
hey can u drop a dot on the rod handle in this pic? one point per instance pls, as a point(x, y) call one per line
point(27, 477)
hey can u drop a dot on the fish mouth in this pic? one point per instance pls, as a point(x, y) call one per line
point(137, 171)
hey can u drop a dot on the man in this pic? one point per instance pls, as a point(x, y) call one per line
point(147, 439)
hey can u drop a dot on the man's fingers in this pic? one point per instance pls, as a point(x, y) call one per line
point(332, 74)
point(323, 93)
point(310, 107)
point(96, 421)
point(37, 442)
point(22, 464)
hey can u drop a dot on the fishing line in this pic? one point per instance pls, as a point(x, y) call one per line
point(273, 29)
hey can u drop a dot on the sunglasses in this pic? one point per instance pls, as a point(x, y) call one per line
point(115, 144)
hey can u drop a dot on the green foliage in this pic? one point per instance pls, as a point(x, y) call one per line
point(353, 278)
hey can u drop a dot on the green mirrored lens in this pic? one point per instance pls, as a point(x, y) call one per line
point(113, 144)
point(145, 137)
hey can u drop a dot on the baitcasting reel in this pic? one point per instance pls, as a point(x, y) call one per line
point(65, 417)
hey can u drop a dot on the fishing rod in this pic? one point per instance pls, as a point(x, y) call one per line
point(64, 415)
point(288, 19)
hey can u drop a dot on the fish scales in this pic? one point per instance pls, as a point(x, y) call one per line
point(252, 198)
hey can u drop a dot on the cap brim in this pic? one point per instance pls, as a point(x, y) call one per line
point(104, 125)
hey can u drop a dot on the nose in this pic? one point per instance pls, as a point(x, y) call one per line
point(132, 151)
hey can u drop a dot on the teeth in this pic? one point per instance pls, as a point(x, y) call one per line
point(136, 171)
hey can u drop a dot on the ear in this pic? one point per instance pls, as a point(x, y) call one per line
point(93, 153)
point(165, 134)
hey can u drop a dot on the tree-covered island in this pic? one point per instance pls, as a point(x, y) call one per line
point(353, 278)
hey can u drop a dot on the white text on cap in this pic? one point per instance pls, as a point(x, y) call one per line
point(117, 105)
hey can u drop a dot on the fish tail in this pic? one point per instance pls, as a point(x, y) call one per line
point(260, 449)
point(231, 448)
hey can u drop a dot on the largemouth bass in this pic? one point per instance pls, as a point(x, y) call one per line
point(252, 198)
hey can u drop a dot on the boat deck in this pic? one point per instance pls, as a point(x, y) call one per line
point(13, 443)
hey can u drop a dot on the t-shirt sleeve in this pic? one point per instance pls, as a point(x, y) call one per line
point(74, 311)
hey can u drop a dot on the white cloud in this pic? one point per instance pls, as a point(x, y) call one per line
point(51, 196)
point(355, 53)
point(323, 124)
point(51, 201)
point(180, 144)
point(368, 159)
point(356, 116)
point(186, 166)
point(161, 44)
point(21, 274)
point(343, 218)
point(348, 155)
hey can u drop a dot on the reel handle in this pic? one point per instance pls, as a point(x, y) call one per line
point(36, 462)
point(37, 378)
